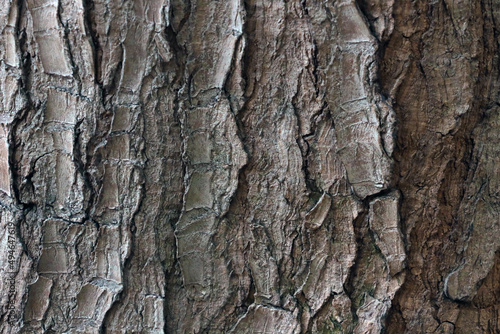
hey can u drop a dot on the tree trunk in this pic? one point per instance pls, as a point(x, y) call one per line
point(190, 166)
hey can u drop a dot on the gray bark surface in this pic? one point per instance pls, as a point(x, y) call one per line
point(190, 166)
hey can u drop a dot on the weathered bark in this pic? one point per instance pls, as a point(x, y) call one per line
point(172, 166)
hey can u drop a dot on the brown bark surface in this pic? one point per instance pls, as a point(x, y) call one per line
point(253, 166)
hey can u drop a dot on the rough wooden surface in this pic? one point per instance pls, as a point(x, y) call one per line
point(171, 166)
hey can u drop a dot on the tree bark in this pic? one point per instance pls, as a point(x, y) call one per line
point(189, 166)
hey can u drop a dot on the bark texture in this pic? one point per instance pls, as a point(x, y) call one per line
point(249, 166)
